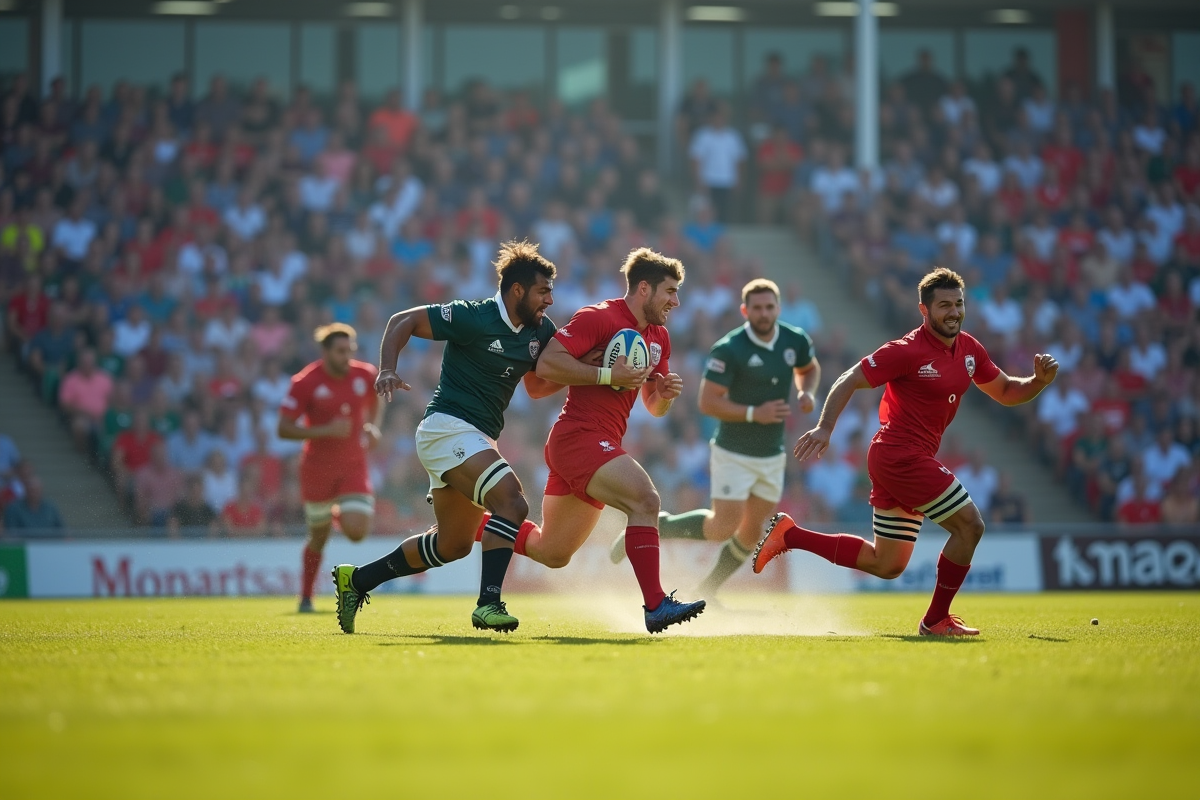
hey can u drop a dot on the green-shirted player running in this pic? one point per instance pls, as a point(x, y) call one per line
point(746, 386)
point(491, 346)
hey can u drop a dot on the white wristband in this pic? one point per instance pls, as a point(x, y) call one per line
point(749, 413)
point(604, 377)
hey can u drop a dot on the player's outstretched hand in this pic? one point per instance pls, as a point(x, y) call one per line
point(668, 386)
point(626, 376)
point(771, 412)
point(812, 444)
point(388, 382)
point(1045, 368)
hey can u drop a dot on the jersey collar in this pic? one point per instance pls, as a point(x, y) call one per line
point(938, 343)
point(504, 314)
point(753, 337)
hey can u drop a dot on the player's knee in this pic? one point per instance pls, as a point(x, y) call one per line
point(972, 531)
point(514, 508)
point(453, 551)
point(889, 571)
point(646, 504)
point(357, 530)
point(555, 560)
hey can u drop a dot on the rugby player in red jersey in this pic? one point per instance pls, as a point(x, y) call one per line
point(336, 396)
point(588, 467)
point(926, 375)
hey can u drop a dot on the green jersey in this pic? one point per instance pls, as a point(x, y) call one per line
point(756, 372)
point(486, 356)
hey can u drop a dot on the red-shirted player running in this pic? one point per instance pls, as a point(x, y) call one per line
point(927, 373)
point(588, 467)
point(336, 395)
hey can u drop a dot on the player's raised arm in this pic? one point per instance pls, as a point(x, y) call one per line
point(558, 366)
point(807, 379)
point(1010, 391)
point(400, 328)
point(814, 443)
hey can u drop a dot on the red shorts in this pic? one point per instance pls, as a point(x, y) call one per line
point(905, 478)
point(573, 458)
point(323, 483)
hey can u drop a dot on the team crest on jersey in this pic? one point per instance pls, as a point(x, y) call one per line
point(447, 312)
point(970, 366)
point(360, 386)
point(322, 392)
point(655, 353)
point(789, 356)
point(535, 347)
point(459, 453)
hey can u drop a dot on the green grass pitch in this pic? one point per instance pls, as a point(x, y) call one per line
point(242, 698)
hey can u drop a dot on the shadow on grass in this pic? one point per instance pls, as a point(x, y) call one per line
point(1047, 638)
point(492, 641)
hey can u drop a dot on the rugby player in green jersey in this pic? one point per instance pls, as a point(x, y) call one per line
point(491, 346)
point(747, 384)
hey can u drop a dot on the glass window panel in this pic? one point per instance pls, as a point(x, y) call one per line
point(244, 52)
point(507, 56)
point(14, 45)
point(1185, 60)
point(708, 54)
point(990, 52)
point(643, 55)
point(582, 63)
point(318, 57)
point(377, 51)
point(797, 48)
point(144, 53)
point(898, 52)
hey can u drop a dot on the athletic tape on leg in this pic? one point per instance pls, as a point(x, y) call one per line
point(427, 550)
point(318, 513)
point(947, 503)
point(891, 526)
point(502, 528)
point(491, 476)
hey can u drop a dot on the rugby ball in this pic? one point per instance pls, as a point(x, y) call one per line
point(629, 343)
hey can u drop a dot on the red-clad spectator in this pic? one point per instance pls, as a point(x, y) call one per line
point(146, 247)
point(477, 213)
point(1142, 266)
point(244, 515)
point(1064, 156)
point(395, 120)
point(1077, 237)
point(201, 149)
point(28, 312)
point(132, 449)
point(1187, 174)
point(1012, 197)
point(522, 116)
point(198, 211)
point(83, 396)
point(1139, 508)
point(1175, 304)
point(777, 158)
point(267, 467)
point(213, 302)
point(1033, 268)
point(1187, 243)
point(379, 152)
point(157, 486)
point(224, 383)
point(1111, 407)
point(1051, 195)
point(236, 149)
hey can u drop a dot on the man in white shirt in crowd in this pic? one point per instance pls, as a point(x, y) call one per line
point(718, 152)
point(553, 232)
point(980, 479)
point(227, 330)
point(1002, 315)
point(245, 219)
point(956, 232)
point(73, 234)
point(832, 479)
point(1165, 458)
point(131, 333)
point(1147, 357)
point(984, 168)
point(1042, 234)
point(1130, 297)
point(401, 198)
point(832, 181)
point(1025, 165)
point(956, 103)
point(1116, 236)
point(1059, 407)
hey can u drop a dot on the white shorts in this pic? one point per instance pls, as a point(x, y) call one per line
point(444, 442)
point(736, 477)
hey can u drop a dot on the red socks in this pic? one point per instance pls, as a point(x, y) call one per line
point(950, 577)
point(840, 548)
point(308, 576)
point(527, 527)
point(641, 545)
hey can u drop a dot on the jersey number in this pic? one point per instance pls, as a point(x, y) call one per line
point(953, 397)
point(508, 371)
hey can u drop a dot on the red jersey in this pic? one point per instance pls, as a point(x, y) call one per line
point(321, 398)
point(599, 408)
point(925, 384)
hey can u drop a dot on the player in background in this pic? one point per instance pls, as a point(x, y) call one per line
point(491, 346)
point(926, 374)
point(588, 467)
point(335, 397)
point(746, 386)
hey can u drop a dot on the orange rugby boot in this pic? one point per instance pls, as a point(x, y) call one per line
point(951, 626)
point(772, 544)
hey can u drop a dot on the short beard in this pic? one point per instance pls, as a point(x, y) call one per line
point(653, 315)
point(526, 314)
point(761, 332)
point(940, 330)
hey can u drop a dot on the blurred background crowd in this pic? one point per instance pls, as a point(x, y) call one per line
point(164, 259)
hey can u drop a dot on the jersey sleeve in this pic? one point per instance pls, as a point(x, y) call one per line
point(456, 322)
point(663, 366)
point(720, 366)
point(805, 352)
point(986, 370)
point(886, 364)
point(370, 399)
point(296, 402)
point(584, 332)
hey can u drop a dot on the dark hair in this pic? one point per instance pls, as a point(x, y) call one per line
point(327, 334)
point(940, 278)
point(520, 262)
point(757, 286)
point(644, 264)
